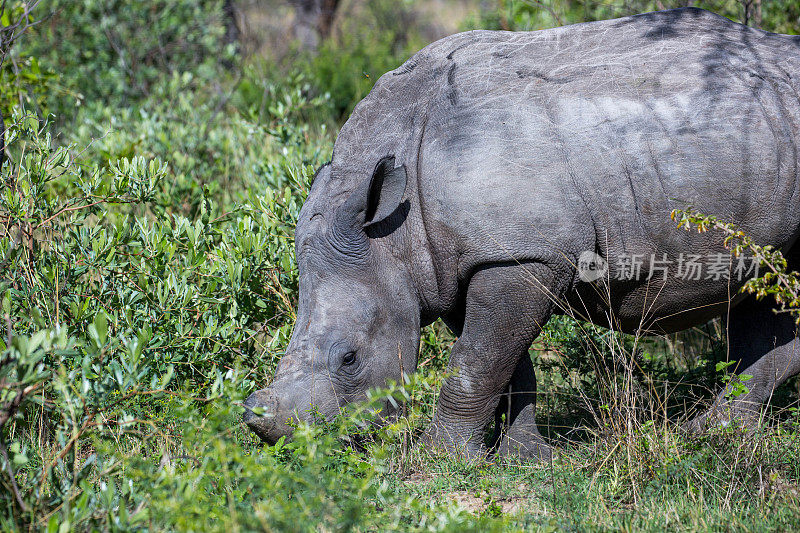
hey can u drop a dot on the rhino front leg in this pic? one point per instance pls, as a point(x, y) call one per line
point(506, 307)
point(764, 345)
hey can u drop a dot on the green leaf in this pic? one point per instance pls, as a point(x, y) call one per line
point(723, 365)
point(20, 459)
point(101, 326)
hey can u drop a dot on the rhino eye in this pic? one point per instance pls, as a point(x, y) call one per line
point(349, 358)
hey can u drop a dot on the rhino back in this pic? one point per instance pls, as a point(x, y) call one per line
point(535, 146)
point(541, 145)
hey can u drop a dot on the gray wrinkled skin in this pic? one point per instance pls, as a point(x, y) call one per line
point(513, 153)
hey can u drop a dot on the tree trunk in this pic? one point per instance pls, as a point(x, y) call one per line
point(232, 29)
point(313, 20)
point(752, 12)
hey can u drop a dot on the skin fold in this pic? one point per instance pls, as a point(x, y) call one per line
point(469, 182)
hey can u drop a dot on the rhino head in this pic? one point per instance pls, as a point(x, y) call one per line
point(358, 322)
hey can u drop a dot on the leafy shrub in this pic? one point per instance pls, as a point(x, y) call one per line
point(148, 285)
point(206, 480)
point(23, 81)
point(776, 281)
point(73, 352)
point(525, 15)
point(370, 39)
point(220, 155)
point(201, 286)
point(116, 53)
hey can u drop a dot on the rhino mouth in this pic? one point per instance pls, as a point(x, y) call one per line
point(261, 416)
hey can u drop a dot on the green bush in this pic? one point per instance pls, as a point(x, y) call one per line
point(213, 149)
point(524, 15)
point(371, 39)
point(23, 80)
point(83, 241)
point(116, 53)
point(149, 285)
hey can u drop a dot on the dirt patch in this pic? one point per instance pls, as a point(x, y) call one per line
point(478, 505)
point(481, 502)
point(419, 478)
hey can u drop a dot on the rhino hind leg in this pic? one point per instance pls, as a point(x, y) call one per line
point(516, 433)
point(506, 305)
point(761, 344)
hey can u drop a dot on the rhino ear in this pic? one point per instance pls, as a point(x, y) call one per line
point(385, 191)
